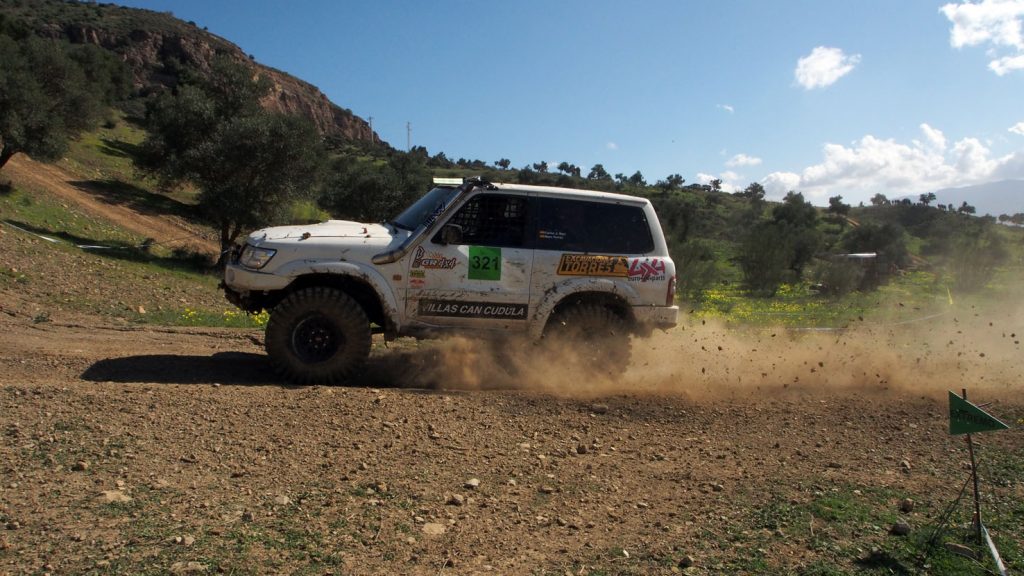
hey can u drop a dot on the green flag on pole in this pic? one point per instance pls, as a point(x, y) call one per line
point(966, 418)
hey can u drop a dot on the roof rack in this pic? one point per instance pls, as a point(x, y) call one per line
point(478, 182)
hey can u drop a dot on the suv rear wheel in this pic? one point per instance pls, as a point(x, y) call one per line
point(318, 336)
point(592, 334)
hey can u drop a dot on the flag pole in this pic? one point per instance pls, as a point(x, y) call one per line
point(974, 476)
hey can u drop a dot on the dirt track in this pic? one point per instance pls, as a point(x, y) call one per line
point(162, 228)
point(132, 449)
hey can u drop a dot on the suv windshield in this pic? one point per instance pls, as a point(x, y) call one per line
point(426, 209)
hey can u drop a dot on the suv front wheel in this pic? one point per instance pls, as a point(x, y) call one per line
point(318, 336)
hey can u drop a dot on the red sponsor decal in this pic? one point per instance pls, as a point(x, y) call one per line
point(647, 270)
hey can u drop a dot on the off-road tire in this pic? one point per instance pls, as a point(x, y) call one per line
point(318, 336)
point(592, 335)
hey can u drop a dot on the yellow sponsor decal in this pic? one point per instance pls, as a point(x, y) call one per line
point(593, 265)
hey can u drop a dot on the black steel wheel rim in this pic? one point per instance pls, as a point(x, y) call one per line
point(316, 339)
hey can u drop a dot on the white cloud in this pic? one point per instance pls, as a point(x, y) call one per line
point(823, 67)
point(934, 136)
point(1006, 64)
point(779, 183)
point(1018, 128)
point(993, 22)
point(612, 146)
point(729, 180)
point(725, 107)
point(743, 160)
point(872, 165)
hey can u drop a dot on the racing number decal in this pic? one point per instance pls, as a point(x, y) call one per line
point(484, 263)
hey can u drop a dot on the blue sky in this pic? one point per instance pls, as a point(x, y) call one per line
point(823, 97)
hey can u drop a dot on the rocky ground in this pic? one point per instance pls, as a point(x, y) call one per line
point(134, 450)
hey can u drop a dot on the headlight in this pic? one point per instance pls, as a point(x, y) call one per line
point(256, 258)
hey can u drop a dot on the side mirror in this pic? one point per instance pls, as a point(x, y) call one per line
point(451, 234)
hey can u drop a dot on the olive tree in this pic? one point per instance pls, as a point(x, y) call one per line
point(50, 91)
point(250, 165)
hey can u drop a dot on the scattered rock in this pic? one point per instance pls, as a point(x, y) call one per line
point(905, 465)
point(112, 496)
point(247, 516)
point(188, 568)
point(13, 525)
point(599, 408)
point(282, 500)
point(581, 449)
point(547, 489)
point(686, 562)
point(907, 506)
point(717, 487)
point(456, 500)
point(900, 529)
point(433, 529)
point(80, 466)
point(472, 484)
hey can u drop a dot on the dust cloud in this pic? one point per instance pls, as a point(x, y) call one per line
point(924, 356)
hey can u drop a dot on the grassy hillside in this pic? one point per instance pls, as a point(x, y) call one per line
point(60, 259)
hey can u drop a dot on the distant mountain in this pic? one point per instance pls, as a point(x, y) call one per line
point(993, 198)
point(156, 46)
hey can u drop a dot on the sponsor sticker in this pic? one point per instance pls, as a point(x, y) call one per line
point(484, 263)
point(456, 309)
point(647, 270)
point(433, 260)
point(551, 234)
point(417, 274)
point(593, 265)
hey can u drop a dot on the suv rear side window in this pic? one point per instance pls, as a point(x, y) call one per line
point(492, 220)
point(583, 226)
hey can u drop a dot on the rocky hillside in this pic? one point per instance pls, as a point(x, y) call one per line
point(157, 46)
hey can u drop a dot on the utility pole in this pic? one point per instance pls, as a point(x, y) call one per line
point(408, 136)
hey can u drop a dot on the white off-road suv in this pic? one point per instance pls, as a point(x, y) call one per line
point(485, 258)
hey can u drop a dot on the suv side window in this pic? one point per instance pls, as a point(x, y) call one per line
point(492, 220)
point(584, 226)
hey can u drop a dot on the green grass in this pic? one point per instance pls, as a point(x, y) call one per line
point(845, 528)
point(227, 318)
point(104, 159)
point(910, 296)
point(125, 267)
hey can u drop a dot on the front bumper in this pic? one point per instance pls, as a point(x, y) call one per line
point(250, 290)
point(240, 279)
